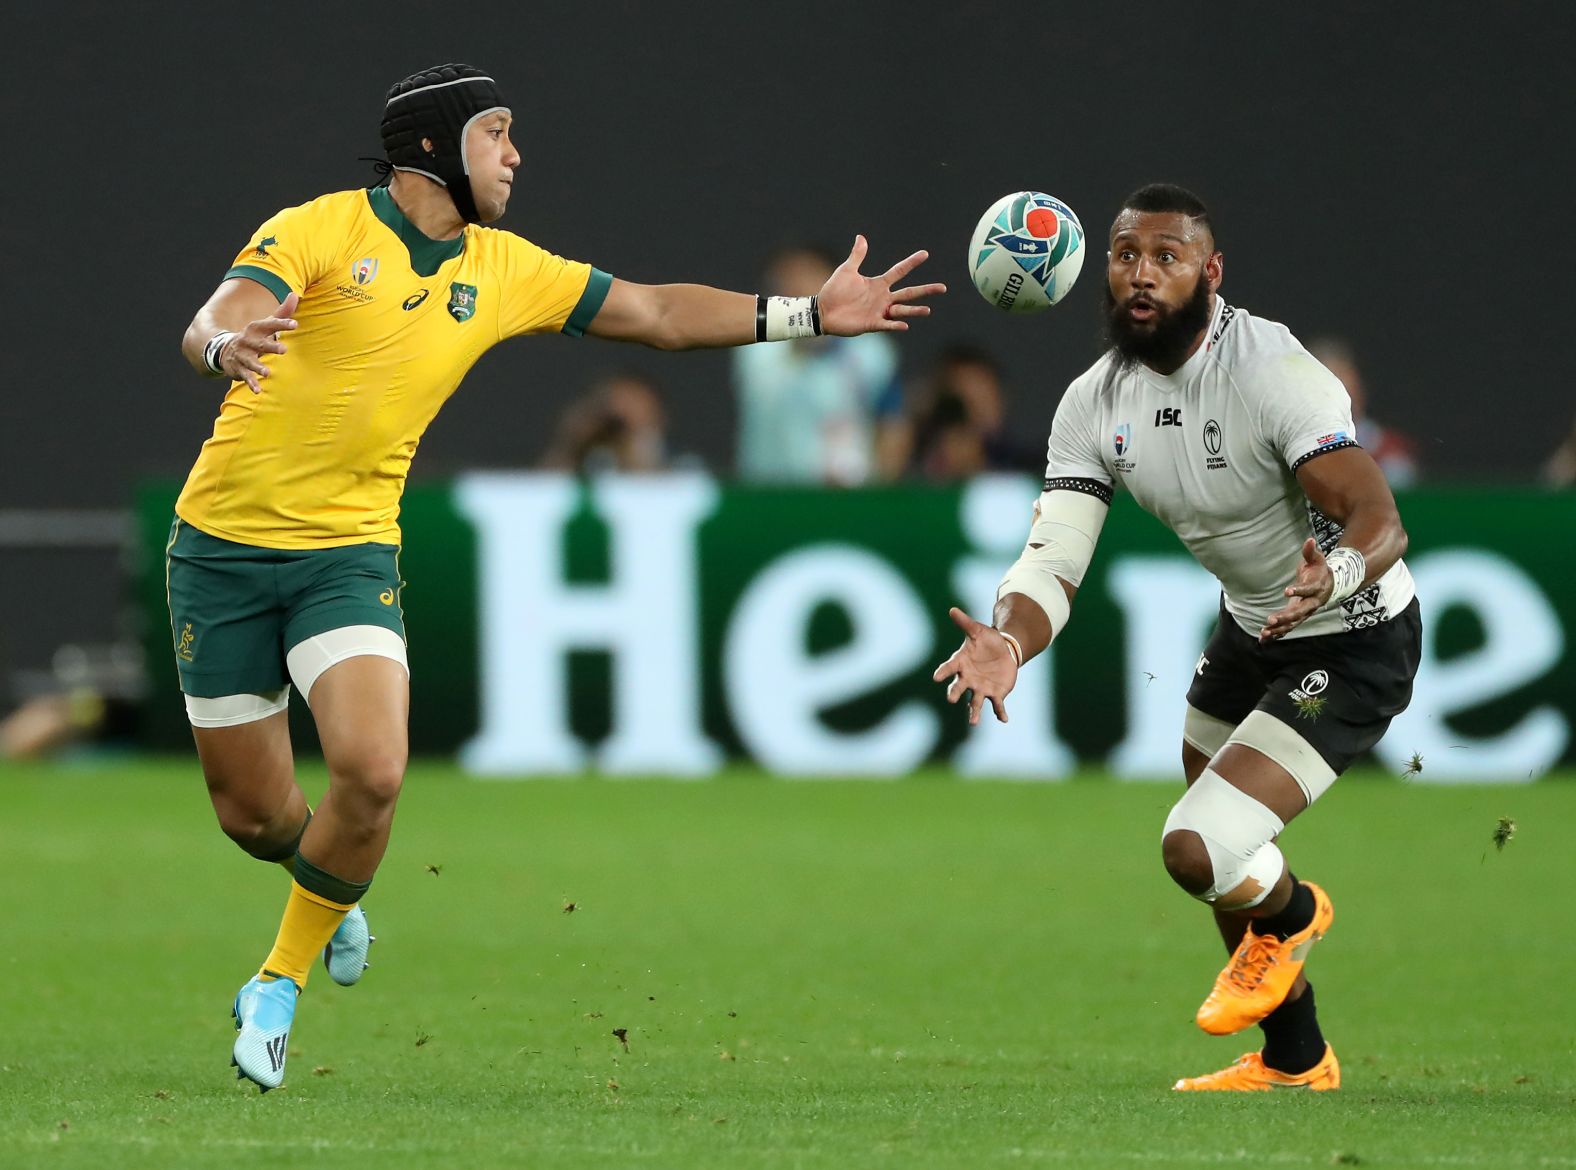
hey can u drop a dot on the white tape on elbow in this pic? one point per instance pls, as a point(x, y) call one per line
point(1239, 835)
point(1067, 530)
point(1061, 545)
point(1040, 584)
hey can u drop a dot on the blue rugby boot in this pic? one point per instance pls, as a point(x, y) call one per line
point(263, 1013)
point(345, 956)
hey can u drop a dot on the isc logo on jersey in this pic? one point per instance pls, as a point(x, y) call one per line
point(1027, 251)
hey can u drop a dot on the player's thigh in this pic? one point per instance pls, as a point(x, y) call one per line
point(362, 709)
point(1337, 695)
point(1228, 682)
point(347, 657)
point(1194, 762)
point(247, 765)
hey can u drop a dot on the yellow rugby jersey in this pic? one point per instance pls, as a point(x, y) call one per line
point(389, 323)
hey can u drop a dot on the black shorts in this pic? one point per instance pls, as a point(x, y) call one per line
point(1339, 691)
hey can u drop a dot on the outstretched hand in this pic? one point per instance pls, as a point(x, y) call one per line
point(852, 304)
point(242, 356)
point(1309, 591)
point(983, 666)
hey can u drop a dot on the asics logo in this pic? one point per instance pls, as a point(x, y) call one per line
point(276, 1050)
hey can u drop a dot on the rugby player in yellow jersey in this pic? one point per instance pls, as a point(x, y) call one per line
point(344, 325)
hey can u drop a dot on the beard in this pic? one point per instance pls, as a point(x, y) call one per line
point(1160, 344)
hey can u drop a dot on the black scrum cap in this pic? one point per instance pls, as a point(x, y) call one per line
point(439, 104)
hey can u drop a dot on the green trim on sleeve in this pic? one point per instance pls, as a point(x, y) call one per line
point(272, 281)
point(590, 303)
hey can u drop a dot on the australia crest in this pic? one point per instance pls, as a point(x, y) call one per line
point(462, 301)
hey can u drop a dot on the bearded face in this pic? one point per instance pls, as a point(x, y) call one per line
point(1160, 273)
point(1143, 328)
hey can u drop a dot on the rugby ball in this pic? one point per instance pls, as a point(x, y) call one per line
point(1026, 252)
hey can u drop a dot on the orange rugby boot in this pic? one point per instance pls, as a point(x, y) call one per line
point(1252, 1075)
point(1255, 982)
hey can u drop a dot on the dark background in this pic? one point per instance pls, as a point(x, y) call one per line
point(1388, 173)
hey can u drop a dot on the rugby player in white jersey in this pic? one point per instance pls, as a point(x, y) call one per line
point(1222, 425)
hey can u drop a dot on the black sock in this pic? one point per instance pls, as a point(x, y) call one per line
point(1292, 1040)
point(1292, 917)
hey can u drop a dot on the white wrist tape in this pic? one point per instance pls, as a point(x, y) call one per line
point(1349, 568)
point(785, 318)
point(212, 350)
point(1061, 545)
point(1013, 645)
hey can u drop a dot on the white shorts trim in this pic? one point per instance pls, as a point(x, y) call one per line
point(1266, 734)
point(309, 659)
point(1205, 732)
point(232, 710)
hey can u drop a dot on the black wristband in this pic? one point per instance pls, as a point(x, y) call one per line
point(760, 317)
point(815, 314)
point(212, 350)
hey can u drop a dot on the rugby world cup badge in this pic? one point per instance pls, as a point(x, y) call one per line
point(462, 301)
point(1123, 442)
point(365, 270)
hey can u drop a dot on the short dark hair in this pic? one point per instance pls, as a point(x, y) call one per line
point(1169, 197)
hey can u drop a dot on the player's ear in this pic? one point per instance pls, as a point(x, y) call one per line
point(426, 144)
point(1215, 270)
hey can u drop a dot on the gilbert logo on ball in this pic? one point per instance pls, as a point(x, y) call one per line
point(1026, 252)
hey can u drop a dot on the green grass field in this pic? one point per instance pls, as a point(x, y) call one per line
point(932, 973)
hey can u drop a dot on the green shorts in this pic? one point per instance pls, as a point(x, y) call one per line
point(235, 609)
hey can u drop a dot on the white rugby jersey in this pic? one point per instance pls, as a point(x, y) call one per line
point(1211, 450)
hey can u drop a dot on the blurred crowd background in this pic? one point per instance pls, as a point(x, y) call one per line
point(1375, 177)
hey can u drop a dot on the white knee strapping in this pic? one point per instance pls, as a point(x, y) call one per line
point(232, 710)
point(1205, 732)
point(309, 659)
point(1264, 733)
point(1239, 834)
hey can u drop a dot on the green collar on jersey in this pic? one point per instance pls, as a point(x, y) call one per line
point(426, 254)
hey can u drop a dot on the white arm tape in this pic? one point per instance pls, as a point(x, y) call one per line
point(1066, 531)
point(1348, 567)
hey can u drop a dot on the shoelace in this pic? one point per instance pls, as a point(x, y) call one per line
point(1253, 962)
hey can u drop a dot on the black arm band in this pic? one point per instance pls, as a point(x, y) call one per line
point(211, 351)
point(760, 318)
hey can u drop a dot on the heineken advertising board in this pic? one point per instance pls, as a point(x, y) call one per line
point(667, 624)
